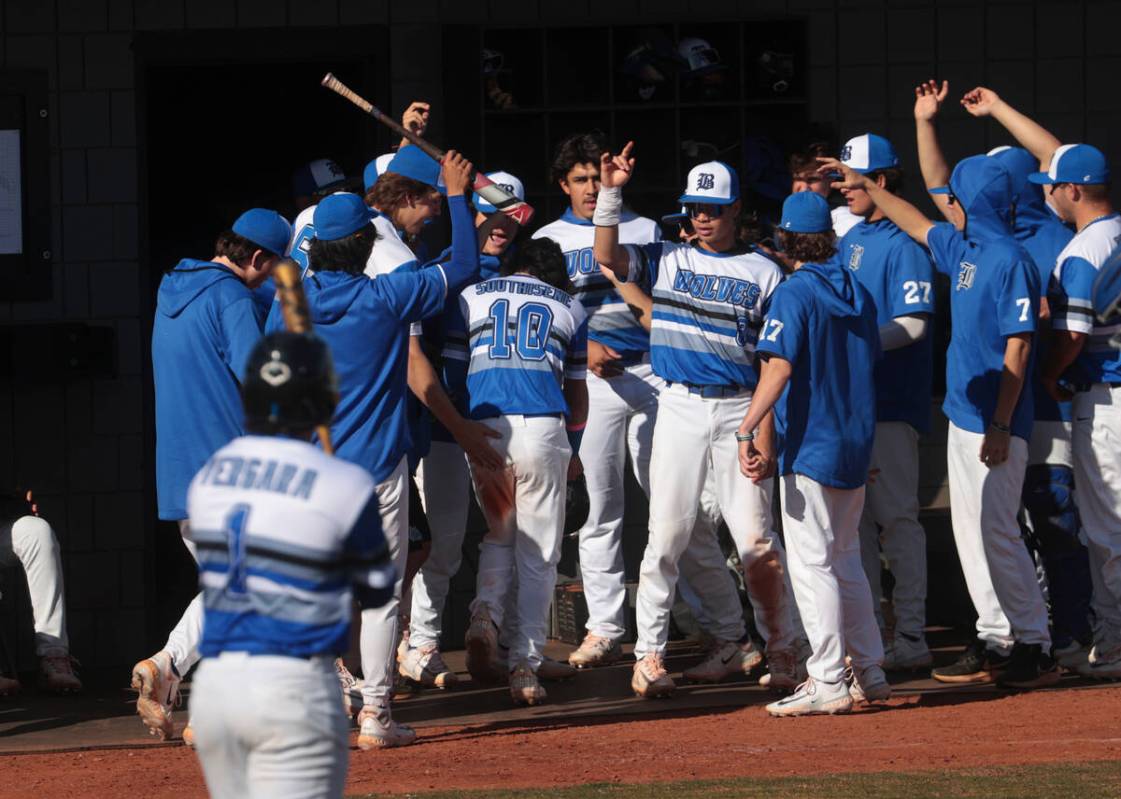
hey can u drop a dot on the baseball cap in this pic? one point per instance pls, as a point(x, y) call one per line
point(675, 217)
point(267, 229)
point(1074, 163)
point(317, 177)
point(711, 182)
point(868, 153)
point(340, 215)
point(375, 168)
point(806, 212)
point(413, 162)
point(506, 181)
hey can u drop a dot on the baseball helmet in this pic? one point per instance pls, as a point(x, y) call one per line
point(289, 383)
point(576, 504)
point(700, 57)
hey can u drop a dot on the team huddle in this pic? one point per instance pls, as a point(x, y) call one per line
point(726, 366)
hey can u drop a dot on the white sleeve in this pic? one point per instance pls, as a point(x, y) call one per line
point(903, 330)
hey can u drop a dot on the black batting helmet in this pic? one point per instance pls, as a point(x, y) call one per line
point(289, 384)
point(576, 504)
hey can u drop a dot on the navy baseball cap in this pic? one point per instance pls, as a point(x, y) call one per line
point(806, 212)
point(340, 215)
point(320, 176)
point(869, 153)
point(413, 162)
point(1074, 163)
point(712, 182)
point(675, 217)
point(267, 229)
point(506, 181)
point(375, 168)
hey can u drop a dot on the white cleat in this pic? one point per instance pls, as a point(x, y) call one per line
point(427, 667)
point(650, 679)
point(158, 686)
point(814, 698)
point(595, 650)
point(726, 660)
point(868, 685)
point(378, 730)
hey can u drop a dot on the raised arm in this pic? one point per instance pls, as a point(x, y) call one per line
point(910, 219)
point(932, 162)
point(614, 172)
point(1039, 141)
point(415, 119)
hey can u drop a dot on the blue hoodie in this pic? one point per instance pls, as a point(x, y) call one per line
point(1044, 236)
point(823, 321)
point(366, 324)
point(994, 294)
point(205, 327)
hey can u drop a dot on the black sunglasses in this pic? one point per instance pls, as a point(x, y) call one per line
point(711, 210)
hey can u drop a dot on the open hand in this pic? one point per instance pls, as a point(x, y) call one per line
point(603, 361)
point(475, 437)
point(457, 172)
point(980, 102)
point(616, 170)
point(850, 178)
point(928, 99)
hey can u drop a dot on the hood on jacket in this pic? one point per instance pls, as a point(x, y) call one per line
point(190, 278)
point(334, 292)
point(1031, 209)
point(835, 285)
point(984, 188)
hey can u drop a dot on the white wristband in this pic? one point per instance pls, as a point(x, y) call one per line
point(609, 205)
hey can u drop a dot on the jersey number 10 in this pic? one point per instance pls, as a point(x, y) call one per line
point(531, 331)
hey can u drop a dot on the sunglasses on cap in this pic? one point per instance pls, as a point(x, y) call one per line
point(710, 210)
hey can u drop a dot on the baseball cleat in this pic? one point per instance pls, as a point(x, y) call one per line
point(650, 679)
point(868, 684)
point(1071, 656)
point(1028, 667)
point(1102, 664)
point(56, 673)
point(9, 686)
point(726, 660)
point(595, 650)
point(158, 685)
point(905, 653)
point(350, 685)
point(189, 735)
point(524, 687)
point(378, 730)
point(785, 671)
point(481, 641)
point(977, 664)
point(813, 698)
point(555, 670)
point(427, 667)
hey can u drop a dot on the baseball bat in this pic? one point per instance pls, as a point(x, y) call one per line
point(518, 210)
point(297, 318)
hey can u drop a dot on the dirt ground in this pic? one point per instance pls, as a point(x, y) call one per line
point(918, 732)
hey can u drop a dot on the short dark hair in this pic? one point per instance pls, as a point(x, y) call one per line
point(1095, 192)
point(543, 259)
point(805, 160)
point(235, 247)
point(580, 148)
point(14, 505)
point(393, 191)
point(348, 254)
point(809, 248)
point(893, 178)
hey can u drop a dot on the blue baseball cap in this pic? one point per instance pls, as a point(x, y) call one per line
point(413, 162)
point(1074, 163)
point(869, 153)
point(806, 212)
point(340, 215)
point(712, 182)
point(320, 176)
point(675, 217)
point(375, 168)
point(506, 181)
point(267, 229)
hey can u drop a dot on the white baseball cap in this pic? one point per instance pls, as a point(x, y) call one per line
point(869, 153)
point(506, 181)
point(711, 182)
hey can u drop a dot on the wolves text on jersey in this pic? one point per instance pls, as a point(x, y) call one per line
point(717, 288)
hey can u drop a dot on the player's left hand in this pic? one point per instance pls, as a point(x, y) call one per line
point(756, 464)
point(850, 178)
point(994, 449)
point(603, 361)
point(1058, 392)
point(415, 117)
point(575, 468)
point(457, 173)
point(616, 170)
point(929, 98)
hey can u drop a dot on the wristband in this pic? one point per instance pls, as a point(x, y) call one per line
point(745, 436)
point(609, 206)
point(1000, 428)
point(575, 436)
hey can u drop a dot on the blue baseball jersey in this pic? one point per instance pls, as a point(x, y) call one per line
point(610, 320)
point(515, 342)
point(1071, 299)
point(823, 321)
point(708, 308)
point(900, 277)
point(994, 294)
point(285, 535)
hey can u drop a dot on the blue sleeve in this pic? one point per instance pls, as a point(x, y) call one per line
point(1107, 285)
point(784, 330)
point(275, 320)
point(367, 556)
point(464, 264)
point(645, 260)
point(911, 276)
point(240, 334)
point(943, 240)
point(576, 359)
point(1073, 294)
point(1018, 305)
point(413, 294)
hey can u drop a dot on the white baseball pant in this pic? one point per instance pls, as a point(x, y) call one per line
point(524, 508)
point(693, 437)
point(34, 544)
point(377, 640)
point(891, 517)
point(821, 525)
point(999, 572)
point(444, 483)
point(183, 641)
point(1097, 480)
point(270, 727)
point(1050, 443)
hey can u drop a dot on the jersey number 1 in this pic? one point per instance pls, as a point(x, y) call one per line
point(531, 333)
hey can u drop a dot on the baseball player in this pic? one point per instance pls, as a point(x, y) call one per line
point(898, 274)
point(804, 175)
point(709, 301)
point(818, 347)
point(204, 330)
point(994, 305)
point(521, 347)
point(1079, 355)
point(285, 535)
point(365, 322)
point(31, 539)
